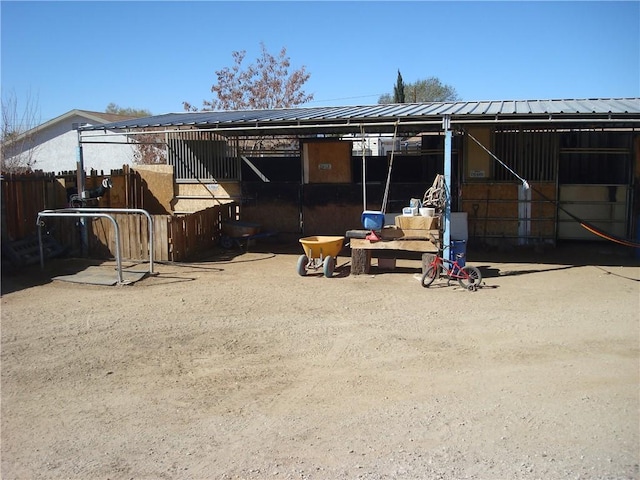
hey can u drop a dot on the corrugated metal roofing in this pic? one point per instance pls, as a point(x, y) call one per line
point(295, 119)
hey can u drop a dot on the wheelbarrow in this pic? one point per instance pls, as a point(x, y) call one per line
point(238, 233)
point(319, 252)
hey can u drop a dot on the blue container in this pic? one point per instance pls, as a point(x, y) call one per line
point(372, 220)
point(459, 247)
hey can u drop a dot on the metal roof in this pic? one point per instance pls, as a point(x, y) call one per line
point(409, 116)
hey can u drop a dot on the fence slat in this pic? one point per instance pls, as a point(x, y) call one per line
point(161, 237)
point(176, 238)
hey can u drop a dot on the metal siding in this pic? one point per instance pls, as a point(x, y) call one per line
point(420, 111)
point(202, 155)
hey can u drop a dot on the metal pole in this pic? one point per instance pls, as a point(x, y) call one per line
point(80, 180)
point(446, 125)
point(364, 170)
point(40, 244)
point(119, 210)
point(84, 234)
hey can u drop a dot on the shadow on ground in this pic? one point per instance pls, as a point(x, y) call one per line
point(18, 278)
point(490, 260)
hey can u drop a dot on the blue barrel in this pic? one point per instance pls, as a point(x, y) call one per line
point(458, 247)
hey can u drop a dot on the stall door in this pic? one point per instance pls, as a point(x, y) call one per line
point(594, 183)
point(604, 206)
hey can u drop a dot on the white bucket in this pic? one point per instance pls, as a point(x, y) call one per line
point(428, 212)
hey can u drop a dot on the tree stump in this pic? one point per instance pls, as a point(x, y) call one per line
point(427, 258)
point(360, 261)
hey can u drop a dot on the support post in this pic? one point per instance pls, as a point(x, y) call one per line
point(364, 170)
point(360, 261)
point(80, 181)
point(524, 214)
point(446, 126)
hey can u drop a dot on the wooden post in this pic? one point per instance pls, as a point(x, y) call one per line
point(360, 261)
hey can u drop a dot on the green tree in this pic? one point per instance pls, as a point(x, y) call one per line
point(427, 90)
point(265, 84)
point(398, 90)
point(131, 112)
point(430, 90)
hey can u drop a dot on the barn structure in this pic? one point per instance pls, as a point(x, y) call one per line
point(304, 171)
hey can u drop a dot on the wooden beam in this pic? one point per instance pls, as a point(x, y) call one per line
point(405, 245)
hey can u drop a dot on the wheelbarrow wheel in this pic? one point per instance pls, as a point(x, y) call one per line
point(328, 266)
point(302, 265)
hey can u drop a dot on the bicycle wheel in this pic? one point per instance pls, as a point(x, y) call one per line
point(469, 276)
point(430, 275)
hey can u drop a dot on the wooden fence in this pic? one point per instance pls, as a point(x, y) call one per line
point(176, 237)
point(24, 195)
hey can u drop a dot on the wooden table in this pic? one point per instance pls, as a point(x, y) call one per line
point(391, 238)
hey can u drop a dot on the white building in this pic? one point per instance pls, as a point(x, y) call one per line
point(381, 145)
point(53, 145)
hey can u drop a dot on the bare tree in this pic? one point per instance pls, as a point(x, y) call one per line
point(150, 149)
point(265, 84)
point(18, 149)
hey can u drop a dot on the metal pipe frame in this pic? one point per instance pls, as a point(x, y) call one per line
point(497, 120)
point(118, 210)
point(51, 213)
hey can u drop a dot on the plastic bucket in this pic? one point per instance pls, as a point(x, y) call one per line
point(427, 212)
point(459, 247)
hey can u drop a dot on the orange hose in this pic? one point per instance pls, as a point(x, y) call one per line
point(601, 234)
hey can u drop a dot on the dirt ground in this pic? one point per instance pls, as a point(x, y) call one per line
point(236, 367)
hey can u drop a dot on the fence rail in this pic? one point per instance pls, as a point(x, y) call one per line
point(176, 237)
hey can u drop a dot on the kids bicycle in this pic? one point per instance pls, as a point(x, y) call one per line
point(468, 277)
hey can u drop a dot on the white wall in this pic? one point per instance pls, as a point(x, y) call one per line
point(56, 149)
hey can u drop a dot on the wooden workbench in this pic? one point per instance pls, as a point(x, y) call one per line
point(391, 238)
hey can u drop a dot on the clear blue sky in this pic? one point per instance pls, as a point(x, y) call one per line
point(154, 55)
